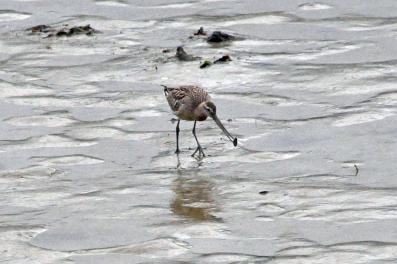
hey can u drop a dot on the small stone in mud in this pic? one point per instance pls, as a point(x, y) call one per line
point(218, 36)
point(223, 59)
point(183, 56)
point(201, 32)
point(263, 192)
point(205, 64)
point(40, 28)
point(60, 33)
point(87, 30)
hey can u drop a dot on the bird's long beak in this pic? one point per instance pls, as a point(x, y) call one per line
point(230, 137)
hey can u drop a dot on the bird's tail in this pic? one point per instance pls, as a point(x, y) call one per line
point(165, 89)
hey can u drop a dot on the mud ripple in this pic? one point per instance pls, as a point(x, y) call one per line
point(11, 15)
point(255, 157)
point(364, 117)
point(80, 235)
point(69, 160)
point(47, 141)
point(48, 120)
point(92, 133)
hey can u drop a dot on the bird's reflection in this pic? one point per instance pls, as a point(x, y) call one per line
point(194, 197)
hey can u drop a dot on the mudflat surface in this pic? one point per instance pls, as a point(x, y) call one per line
point(88, 172)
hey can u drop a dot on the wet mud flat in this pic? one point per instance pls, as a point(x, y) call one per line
point(87, 166)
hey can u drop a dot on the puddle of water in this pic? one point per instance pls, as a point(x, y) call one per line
point(314, 6)
point(270, 19)
point(112, 3)
point(176, 5)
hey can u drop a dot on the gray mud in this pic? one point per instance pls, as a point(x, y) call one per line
point(87, 166)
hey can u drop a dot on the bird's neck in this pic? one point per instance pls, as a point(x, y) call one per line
point(200, 112)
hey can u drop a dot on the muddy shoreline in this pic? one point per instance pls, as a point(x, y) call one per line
point(87, 166)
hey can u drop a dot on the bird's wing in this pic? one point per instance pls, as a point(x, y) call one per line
point(189, 94)
point(175, 97)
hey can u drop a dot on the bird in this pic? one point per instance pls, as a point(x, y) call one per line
point(192, 103)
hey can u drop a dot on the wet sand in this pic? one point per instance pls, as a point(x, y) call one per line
point(88, 172)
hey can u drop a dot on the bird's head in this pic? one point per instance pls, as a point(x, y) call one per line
point(210, 108)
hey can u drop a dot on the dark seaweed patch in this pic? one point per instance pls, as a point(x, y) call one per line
point(63, 32)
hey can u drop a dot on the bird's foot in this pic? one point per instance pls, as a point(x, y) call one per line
point(200, 151)
point(177, 151)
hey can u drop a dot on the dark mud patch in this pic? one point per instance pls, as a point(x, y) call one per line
point(223, 59)
point(63, 32)
point(219, 36)
point(182, 55)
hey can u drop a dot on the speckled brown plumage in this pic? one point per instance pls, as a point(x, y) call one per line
point(183, 101)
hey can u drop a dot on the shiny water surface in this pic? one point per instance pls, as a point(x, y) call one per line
point(88, 172)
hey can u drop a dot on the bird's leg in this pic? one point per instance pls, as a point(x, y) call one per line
point(199, 149)
point(177, 137)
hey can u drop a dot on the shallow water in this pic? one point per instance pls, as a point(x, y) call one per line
point(88, 171)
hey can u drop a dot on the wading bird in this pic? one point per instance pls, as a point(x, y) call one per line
point(192, 103)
